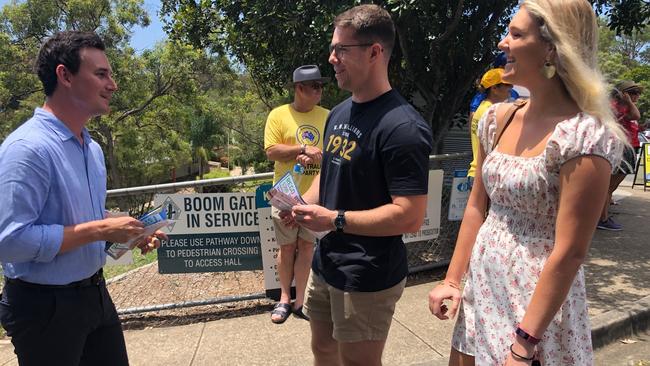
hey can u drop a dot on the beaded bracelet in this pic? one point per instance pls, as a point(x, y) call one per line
point(516, 355)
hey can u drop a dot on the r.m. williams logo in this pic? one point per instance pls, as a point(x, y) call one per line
point(308, 135)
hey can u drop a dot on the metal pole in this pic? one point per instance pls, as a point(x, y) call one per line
point(228, 299)
point(189, 304)
point(193, 183)
point(230, 180)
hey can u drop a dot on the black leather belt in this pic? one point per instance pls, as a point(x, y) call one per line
point(93, 280)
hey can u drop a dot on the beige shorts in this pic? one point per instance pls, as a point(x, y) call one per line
point(356, 316)
point(288, 235)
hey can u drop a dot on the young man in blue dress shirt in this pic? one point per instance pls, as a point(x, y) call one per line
point(53, 225)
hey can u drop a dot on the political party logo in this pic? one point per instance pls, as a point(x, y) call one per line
point(173, 212)
point(464, 186)
point(308, 135)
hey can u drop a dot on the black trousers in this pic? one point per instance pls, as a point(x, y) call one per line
point(62, 326)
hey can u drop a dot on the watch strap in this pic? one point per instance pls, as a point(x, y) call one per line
point(339, 221)
point(525, 336)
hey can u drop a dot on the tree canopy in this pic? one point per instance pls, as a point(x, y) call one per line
point(442, 46)
point(208, 89)
point(169, 107)
point(626, 57)
point(624, 16)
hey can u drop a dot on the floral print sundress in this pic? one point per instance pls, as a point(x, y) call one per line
point(515, 241)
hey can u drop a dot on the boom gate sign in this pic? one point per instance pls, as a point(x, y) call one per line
point(221, 232)
point(211, 233)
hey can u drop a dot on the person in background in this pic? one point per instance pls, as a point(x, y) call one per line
point(53, 225)
point(372, 189)
point(499, 63)
point(543, 167)
point(496, 91)
point(293, 135)
point(624, 98)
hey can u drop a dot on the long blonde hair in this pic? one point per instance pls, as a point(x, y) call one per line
point(571, 27)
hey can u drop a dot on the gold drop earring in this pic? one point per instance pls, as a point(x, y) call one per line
point(548, 70)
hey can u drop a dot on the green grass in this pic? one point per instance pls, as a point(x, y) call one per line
point(216, 173)
point(139, 260)
point(241, 187)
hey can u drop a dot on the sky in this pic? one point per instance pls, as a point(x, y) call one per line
point(141, 38)
point(146, 38)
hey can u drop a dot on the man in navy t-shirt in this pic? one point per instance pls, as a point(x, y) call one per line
point(372, 189)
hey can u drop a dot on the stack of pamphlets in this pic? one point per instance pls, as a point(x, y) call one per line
point(152, 220)
point(284, 195)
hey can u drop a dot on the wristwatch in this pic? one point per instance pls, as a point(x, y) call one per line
point(303, 148)
point(339, 221)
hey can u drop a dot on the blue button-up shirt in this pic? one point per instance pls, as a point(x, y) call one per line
point(49, 180)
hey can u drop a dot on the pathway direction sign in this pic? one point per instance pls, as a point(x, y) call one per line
point(215, 232)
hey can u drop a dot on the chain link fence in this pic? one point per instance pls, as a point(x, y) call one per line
point(176, 296)
point(143, 289)
point(146, 298)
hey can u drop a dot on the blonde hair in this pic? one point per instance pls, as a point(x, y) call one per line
point(571, 27)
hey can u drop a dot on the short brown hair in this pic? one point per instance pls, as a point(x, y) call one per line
point(63, 48)
point(370, 23)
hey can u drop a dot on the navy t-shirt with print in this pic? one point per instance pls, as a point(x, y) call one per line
point(371, 151)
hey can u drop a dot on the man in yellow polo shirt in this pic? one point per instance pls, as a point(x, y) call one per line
point(293, 134)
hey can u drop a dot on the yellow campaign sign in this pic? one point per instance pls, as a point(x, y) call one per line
point(646, 164)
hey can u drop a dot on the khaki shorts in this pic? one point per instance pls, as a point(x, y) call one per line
point(287, 235)
point(356, 316)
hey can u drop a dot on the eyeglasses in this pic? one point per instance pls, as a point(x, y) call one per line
point(634, 92)
point(342, 48)
point(314, 85)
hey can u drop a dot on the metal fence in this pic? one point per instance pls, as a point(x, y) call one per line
point(145, 290)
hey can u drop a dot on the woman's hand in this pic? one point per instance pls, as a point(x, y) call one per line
point(627, 99)
point(444, 291)
point(510, 361)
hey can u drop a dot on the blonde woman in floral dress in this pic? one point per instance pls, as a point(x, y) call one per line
point(546, 179)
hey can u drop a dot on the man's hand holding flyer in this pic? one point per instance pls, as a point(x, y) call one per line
point(153, 220)
point(284, 195)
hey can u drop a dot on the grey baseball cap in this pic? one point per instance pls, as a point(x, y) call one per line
point(308, 73)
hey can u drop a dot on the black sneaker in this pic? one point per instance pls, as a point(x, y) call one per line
point(610, 225)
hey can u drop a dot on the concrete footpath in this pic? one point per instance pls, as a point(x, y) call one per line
point(618, 290)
